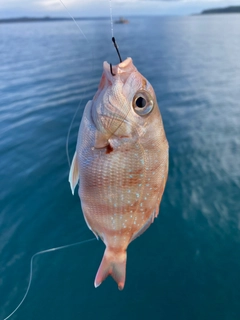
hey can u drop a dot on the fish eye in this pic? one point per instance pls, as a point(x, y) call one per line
point(142, 103)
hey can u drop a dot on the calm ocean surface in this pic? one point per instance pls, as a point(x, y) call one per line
point(187, 265)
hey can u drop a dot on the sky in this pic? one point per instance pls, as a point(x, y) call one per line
point(94, 8)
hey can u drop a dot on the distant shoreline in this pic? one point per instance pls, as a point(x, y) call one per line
point(231, 9)
point(46, 19)
point(227, 10)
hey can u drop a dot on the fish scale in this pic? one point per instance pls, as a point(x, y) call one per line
point(121, 163)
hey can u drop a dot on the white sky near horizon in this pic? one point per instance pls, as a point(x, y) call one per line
point(97, 8)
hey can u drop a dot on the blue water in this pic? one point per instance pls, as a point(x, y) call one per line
point(187, 264)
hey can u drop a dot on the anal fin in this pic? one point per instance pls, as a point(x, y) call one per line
point(144, 227)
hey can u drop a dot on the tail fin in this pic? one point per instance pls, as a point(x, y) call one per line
point(114, 264)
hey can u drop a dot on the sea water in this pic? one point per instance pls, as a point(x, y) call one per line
point(187, 265)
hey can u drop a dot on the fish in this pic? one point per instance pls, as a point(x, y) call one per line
point(120, 163)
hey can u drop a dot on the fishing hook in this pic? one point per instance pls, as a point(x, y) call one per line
point(116, 47)
point(113, 74)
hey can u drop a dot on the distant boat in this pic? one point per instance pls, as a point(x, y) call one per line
point(121, 20)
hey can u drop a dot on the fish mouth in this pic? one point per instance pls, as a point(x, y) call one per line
point(121, 65)
point(122, 69)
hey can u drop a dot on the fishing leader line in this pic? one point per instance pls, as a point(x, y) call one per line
point(68, 134)
point(31, 269)
point(116, 47)
point(92, 66)
point(75, 22)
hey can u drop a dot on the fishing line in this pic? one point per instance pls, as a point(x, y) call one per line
point(111, 16)
point(69, 131)
point(75, 22)
point(67, 143)
point(68, 134)
point(31, 269)
point(79, 105)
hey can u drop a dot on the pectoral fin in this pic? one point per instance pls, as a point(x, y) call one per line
point(74, 173)
point(101, 140)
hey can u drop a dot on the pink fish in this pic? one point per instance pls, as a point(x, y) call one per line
point(121, 162)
